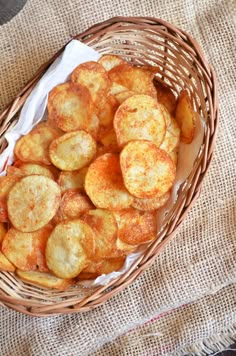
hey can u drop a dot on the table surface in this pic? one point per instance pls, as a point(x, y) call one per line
point(8, 10)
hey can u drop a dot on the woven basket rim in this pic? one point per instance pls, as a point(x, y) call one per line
point(8, 117)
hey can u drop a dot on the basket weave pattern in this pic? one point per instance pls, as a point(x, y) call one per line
point(182, 65)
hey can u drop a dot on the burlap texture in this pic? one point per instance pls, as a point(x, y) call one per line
point(201, 259)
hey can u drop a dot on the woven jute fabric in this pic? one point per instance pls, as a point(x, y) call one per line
point(200, 260)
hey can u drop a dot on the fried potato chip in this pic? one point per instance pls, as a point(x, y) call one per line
point(139, 118)
point(34, 146)
point(133, 78)
point(104, 183)
point(107, 111)
point(72, 151)
point(136, 227)
point(26, 250)
point(6, 265)
point(70, 107)
point(109, 61)
point(147, 170)
point(28, 169)
point(172, 137)
point(150, 204)
point(74, 204)
point(72, 179)
point(3, 232)
point(105, 228)
point(95, 269)
point(45, 279)
point(6, 184)
point(165, 96)
point(32, 202)
point(68, 248)
point(93, 76)
point(124, 247)
point(185, 117)
point(117, 88)
point(122, 96)
point(174, 156)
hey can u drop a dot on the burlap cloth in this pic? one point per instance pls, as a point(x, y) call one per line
point(200, 261)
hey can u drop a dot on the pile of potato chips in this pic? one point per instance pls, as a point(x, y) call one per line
point(86, 185)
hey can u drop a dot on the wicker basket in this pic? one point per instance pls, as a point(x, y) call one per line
point(182, 65)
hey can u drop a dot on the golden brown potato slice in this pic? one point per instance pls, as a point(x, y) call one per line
point(32, 202)
point(28, 169)
point(107, 111)
point(3, 232)
point(133, 78)
point(124, 247)
point(34, 146)
point(136, 227)
point(72, 179)
point(122, 96)
point(105, 228)
point(172, 137)
point(26, 250)
point(6, 184)
point(45, 279)
point(72, 151)
point(68, 248)
point(70, 107)
point(185, 117)
point(109, 140)
point(104, 183)
point(93, 76)
point(165, 96)
point(109, 61)
point(174, 156)
point(150, 204)
point(147, 170)
point(5, 264)
point(140, 118)
point(74, 204)
point(96, 269)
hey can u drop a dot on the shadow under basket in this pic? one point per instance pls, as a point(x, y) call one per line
point(182, 65)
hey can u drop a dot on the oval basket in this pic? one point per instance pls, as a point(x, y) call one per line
point(182, 65)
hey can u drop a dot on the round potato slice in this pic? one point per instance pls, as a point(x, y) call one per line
point(45, 279)
point(109, 140)
point(136, 227)
point(32, 202)
point(172, 137)
point(34, 146)
point(104, 183)
point(165, 96)
point(109, 61)
point(26, 250)
point(140, 118)
point(122, 96)
point(74, 204)
point(72, 151)
point(150, 204)
point(147, 170)
point(72, 179)
point(185, 117)
point(93, 76)
point(70, 107)
point(117, 88)
point(96, 269)
point(5, 264)
point(105, 228)
point(28, 169)
point(68, 248)
point(134, 78)
point(124, 247)
point(6, 184)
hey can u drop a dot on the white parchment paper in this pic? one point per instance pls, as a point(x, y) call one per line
point(34, 110)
